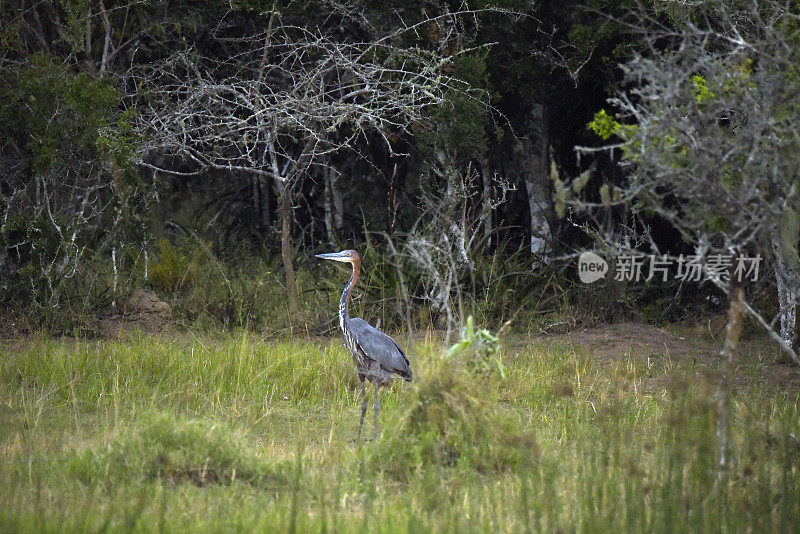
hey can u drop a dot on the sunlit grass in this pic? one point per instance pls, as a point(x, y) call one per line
point(235, 433)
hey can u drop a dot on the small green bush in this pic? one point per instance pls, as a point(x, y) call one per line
point(477, 351)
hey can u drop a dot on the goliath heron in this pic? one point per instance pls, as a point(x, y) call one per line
point(378, 357)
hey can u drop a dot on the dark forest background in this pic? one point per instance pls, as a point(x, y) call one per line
point(454, 200)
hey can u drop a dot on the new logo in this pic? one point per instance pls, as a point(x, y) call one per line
point(591, 267)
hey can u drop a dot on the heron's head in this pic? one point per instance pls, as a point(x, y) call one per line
point(345, 256)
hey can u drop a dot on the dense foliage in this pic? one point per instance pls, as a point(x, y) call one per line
point(206, 150)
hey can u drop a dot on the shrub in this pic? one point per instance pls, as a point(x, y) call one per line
point(477, 351)
point(76, 150)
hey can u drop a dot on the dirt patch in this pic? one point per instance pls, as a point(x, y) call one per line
point(758, 355)
point(143, 311)
point(783, 375)
point(634, 339)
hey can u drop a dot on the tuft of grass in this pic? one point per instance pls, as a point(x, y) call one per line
point(452, 419)
point(174, 449)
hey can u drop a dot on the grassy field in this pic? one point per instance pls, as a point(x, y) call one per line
point(230, 433)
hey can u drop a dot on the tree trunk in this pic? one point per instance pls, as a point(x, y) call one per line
point(338, 204)
point(107, 42)
point(487, 203)
point(788, 281)
point(532, 156)
point(728, 354)
point(328, 206)
point(787, 306)
point(285, 201)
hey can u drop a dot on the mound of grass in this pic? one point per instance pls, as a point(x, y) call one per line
point(175, 450)
point(452, 420)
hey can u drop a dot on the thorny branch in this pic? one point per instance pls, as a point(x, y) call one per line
point(304, 94)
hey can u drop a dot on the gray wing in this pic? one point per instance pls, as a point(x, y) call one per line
point(380, 347)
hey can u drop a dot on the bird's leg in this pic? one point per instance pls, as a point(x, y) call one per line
point(377, 408)
point(363, 407)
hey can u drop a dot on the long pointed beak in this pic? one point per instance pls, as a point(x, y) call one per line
point(335, 256)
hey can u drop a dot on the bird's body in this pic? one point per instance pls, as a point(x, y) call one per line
point(363, 340)
point(377, 357)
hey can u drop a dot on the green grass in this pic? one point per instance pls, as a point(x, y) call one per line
point(230, 434)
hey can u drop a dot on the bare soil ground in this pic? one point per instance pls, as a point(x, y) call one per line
point(634, 339)
point(700, 343)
